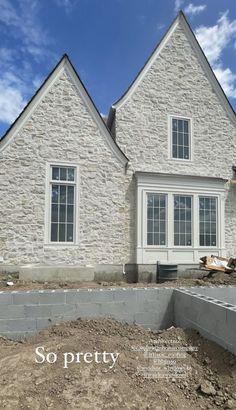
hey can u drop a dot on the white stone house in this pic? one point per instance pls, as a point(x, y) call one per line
point(153, 184)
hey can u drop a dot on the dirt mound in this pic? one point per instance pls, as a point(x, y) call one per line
point(25, 384)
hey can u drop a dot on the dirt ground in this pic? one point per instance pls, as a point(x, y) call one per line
point(25, 384)
point(205, 279)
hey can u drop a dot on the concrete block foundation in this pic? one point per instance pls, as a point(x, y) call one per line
point(130, 272)
point(24, 313)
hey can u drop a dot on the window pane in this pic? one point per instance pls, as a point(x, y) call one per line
point(55, 193)
point(63, 174)
point(70, 233)
point(186, 153)
point(174, 124)
point(186, 140)
point(156, 219)
point(174, 138)
point(55, 173)
point(70, 197)
point(62, 213)
point(186, 126)
point(62, 231)
point(181, 139)
point(174, 151)
point(62, 194)
point(182, 220)
point(180, 151)
point(54, 213)
point(150, 239)
point(150, 226)
point(207, 221)
point(156, 239)
point(70, 213)
point(54, 232)
point(71, 176)
point(180, 125)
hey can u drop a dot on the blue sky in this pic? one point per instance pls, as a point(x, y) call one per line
point(108, 42)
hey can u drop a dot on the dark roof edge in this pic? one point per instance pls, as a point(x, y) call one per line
point(230, 111)
point(104, 124)
point(147, 60)
point(66, 58)
point(204, 56)
point(33, 96)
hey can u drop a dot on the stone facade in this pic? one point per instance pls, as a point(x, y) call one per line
point(176, 84)
point(61, 128)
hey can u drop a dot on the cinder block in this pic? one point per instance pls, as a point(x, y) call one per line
point(43, 323)
point(64, 311)
point(24, 298)
point(52, 298)
point(126, 295)
point(90, 310)
point(102, 296)
point(19, 325)
point(81, 296)
point(38, 311)
point(3, 326)
point(112, 308)
point(6, 298)
point(11, 312)
point(146, 317)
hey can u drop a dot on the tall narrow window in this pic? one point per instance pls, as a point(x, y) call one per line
point(182, 220)
point(180, 138)
point(156, 219)
point(62, 188)
point(207, 221)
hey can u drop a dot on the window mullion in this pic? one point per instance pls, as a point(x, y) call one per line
point(195, 221)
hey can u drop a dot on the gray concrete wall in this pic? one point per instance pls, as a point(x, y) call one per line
point(24, 313)
point(214, 319)
point(225, 294)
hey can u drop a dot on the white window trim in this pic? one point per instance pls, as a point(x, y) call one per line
point(47, 236)
point(170, 219)
point(186, 185)
point(180, 117)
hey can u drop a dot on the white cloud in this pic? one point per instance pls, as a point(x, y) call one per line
point(178, 5)
point(227, 80)
point(19, 22)
point(160, 26)
point(214, 40)
point(21, 19)
point(193, 10)
point(68, 5)
point(11, 101)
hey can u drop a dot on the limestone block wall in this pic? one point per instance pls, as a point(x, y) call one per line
point(176, 84)
point(62, 129)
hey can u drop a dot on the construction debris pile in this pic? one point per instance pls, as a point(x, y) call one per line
point(215, 263)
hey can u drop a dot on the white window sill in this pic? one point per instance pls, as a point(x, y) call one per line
point(181, 160)
point(61, 245)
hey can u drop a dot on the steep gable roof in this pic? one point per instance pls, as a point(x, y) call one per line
point(63, 65)
point(181, 21)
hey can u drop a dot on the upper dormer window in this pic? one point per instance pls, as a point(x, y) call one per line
point(180, 138)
